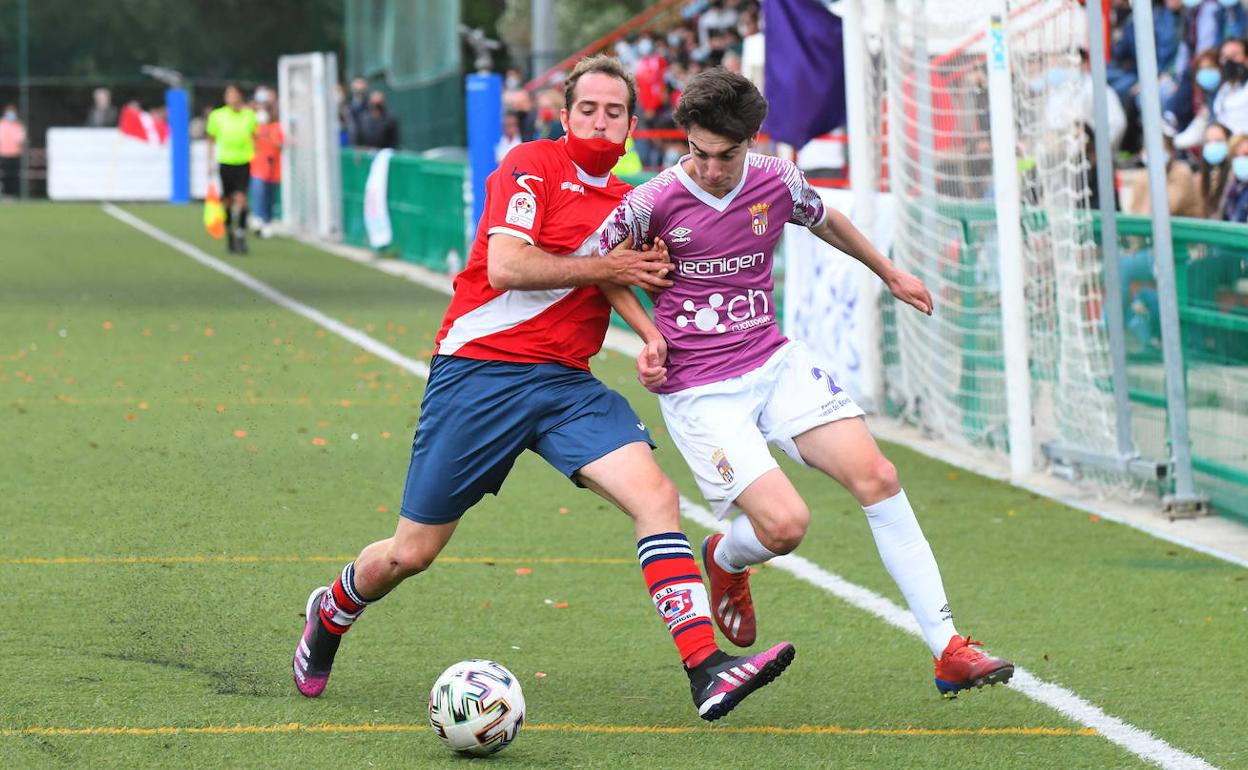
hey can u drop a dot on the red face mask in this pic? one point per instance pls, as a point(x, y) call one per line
point(596, 156)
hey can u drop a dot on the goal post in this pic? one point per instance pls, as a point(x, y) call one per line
point(311, 168)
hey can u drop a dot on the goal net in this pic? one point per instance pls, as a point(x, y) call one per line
point(927, 75)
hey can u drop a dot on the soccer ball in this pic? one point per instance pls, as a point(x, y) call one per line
point(476, 707)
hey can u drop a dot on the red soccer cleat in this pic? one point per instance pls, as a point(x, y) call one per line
point(961, 666)
point(731, 604)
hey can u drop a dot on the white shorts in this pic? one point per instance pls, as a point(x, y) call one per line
point(723, 428)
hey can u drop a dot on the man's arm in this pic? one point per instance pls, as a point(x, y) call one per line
point(838, 232)
point(652, 360)
point(514, 263)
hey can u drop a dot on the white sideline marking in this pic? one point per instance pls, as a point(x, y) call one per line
point(624, 342)
point(268, 292)
point(1139, 742)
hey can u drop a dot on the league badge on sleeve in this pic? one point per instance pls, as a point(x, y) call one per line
point(521, 210)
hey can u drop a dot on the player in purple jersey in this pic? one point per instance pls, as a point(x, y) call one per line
point(729, 382)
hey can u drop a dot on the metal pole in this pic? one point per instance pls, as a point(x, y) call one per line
point(543, 21)
point(1163, 253)
point(1009, 243)
point(23, 93)
point(862, 181)
point(1109, 229)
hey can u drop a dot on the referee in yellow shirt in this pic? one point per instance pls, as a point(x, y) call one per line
point(231, 133)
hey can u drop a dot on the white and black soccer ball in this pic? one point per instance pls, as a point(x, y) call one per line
point(476, 707)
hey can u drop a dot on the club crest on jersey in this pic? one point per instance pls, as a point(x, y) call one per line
point(723, 466)
point(521, 210)
point(758, 217)
point(676, 604)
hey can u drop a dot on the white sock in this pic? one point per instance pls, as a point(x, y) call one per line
point(740, 547)
point(908, 558)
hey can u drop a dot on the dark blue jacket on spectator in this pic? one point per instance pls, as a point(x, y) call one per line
point(1235, 209)
point(1227, 23)
point(1168, 33)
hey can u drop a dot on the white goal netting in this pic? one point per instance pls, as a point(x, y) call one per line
point(927, 82)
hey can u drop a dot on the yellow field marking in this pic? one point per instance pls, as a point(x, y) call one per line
point(226, 559)
point(295, 727)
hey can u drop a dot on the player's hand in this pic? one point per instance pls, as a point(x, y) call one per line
point(646, 269)
point(652, 363)
point(910, 290)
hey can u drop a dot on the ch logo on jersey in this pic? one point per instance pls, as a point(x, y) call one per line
point(745, 311)
point(723, 466)
point(758, 217)
point(680, 235)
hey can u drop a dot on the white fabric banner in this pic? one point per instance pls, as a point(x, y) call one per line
point(831, 301)
point(104, 164)
point(376, 209)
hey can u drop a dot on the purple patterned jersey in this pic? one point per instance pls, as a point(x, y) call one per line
point(719, 319)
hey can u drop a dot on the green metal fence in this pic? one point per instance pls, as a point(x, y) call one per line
point(428, 209)
point(1211, 265)
point(1211, 271)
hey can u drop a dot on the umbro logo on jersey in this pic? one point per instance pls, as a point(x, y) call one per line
point(680, 235)
point(573, 186)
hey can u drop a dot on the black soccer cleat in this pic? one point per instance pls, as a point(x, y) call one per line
point(721, 682)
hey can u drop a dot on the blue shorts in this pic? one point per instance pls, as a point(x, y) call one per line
point(478, 416)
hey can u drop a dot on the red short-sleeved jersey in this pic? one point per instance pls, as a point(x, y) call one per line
point(539, 195)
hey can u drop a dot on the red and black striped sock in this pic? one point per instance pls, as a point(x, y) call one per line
point(342, 604)
point(676, 587)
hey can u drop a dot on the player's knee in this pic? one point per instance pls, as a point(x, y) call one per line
point(879, 482)
point(784, 530)
point(661, 506)
point(409, 559)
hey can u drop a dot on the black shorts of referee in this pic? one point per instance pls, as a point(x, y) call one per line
point(234, 178)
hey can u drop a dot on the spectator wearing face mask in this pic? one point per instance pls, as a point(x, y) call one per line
point(1206, 24)
point(378, 128)
point(266, 167)
point(12, 145)
point(357, 108)
point(1188, 111)
point(1224, 267)
point(1230, 104)
point(1214, 168)
point(1235, 200)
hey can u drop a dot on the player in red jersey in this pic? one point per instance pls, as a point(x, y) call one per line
point(511, 372)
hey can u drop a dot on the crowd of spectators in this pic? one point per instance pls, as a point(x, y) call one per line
point(1202, 59)
point(709, 33)
point(364, 119)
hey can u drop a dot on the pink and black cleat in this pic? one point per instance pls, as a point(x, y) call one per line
point(314, 655)
point(721, 681)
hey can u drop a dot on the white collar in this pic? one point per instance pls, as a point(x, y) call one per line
point(719, 204)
